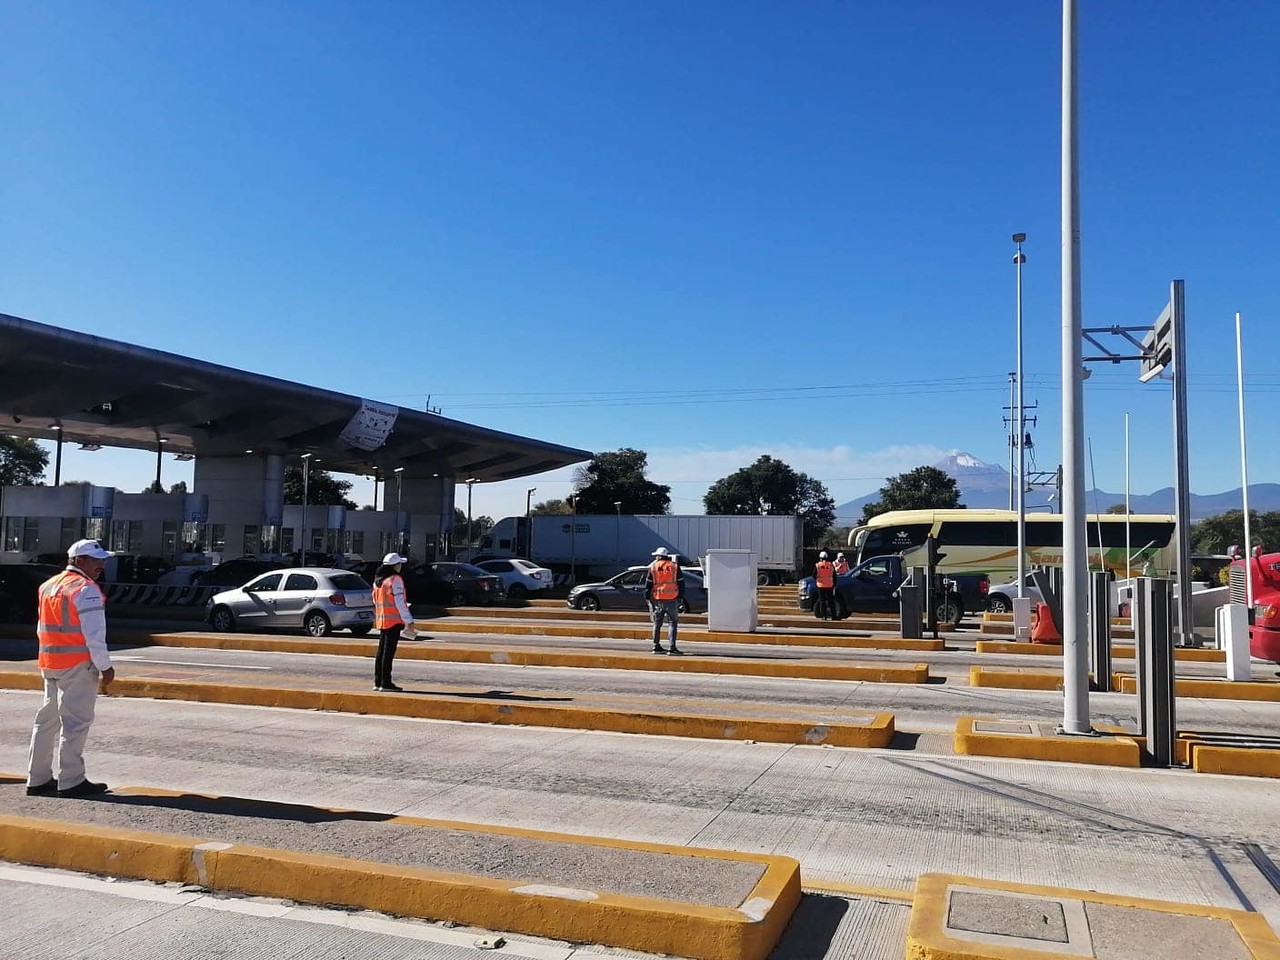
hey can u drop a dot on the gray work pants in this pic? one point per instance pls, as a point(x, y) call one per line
point(670, 611)
point(63, 720)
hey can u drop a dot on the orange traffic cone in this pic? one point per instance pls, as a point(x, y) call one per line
point(1045, 630)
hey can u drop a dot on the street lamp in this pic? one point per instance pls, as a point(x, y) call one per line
point(617, 536)
point(306, 471)
point(399, 472)
point(470, 482)
point(1020, 415)
point(528, 524)
point(573, 537)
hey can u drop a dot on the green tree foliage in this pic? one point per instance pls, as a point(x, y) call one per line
point(479, 527)
point(551, 507)
point(22, 462)
point(1117, 508)
point(770, 486)
point(924, 488)
point(1214, 535)
point(619, 477)
point(322, 488)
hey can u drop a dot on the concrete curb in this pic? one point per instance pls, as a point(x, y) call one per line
point(928, 939)
point(1022, 740)
point(1257, 690)
point(1117, 653)
point(747, 932)
point(878, 730)
point(612, 660)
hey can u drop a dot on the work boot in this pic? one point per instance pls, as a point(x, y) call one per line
point(389, 687)
point(658, 649)
point(84, 789)
point(675, 653)
point(46, 789)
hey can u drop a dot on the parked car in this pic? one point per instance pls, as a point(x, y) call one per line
point(870, 587)
point(19, 586)
point(444, 584)
point(316, 599)
point(234, 573)
point(519, 577)
point(626, 592)
point(1000, 597)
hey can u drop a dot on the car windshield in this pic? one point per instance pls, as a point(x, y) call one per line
point(348, 581)
point(466, 569)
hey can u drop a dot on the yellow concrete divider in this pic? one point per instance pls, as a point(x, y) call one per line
point(533, 657)
point(746, 932)
point(873, 730)
point(1036, 740)
point(1122, 652)
point(1209, 689)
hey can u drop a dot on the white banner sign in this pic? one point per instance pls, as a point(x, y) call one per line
point(370, 427)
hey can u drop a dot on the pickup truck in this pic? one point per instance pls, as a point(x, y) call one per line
point(870, 586)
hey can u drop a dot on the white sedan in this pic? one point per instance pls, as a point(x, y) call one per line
point(520, 578)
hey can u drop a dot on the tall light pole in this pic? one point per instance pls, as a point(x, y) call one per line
point(57, 460)
point(471, 537)
point(306, 471)
point(1020, 416)
point(160, 442)
point(528, 523)
point(573, 537)
point(399, 472)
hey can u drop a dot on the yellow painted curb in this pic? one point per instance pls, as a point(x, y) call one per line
point(1236, 761)
point(1257, 690)
point(527, 657)
point(1124, 652)
point(747, 932)
point(1034, 744)
point(927, 938)
point(877, 732)
point(1014, 679)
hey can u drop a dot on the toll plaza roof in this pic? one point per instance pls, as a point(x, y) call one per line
point(99, 391)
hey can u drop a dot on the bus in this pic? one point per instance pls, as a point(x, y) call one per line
point(986, 541)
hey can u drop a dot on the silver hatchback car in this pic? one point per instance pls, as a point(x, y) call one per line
point(317, 599)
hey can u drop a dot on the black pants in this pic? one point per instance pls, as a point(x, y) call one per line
point(388, 640)
point(825, 605)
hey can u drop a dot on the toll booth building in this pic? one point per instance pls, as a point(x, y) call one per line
point(241, 429)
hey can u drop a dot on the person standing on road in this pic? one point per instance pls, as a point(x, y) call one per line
point(76, 665)
point(841, 564)
point(663, 588)
point(390, 616)
point(824, 575)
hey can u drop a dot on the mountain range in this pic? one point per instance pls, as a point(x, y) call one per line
point(986, 485)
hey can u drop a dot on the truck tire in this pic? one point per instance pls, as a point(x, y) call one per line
point(950, 610)
point(999, 603)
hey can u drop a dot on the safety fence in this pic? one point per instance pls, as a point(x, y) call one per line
point(154, 595)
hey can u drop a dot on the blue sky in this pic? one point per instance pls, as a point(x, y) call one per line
point(707, 231)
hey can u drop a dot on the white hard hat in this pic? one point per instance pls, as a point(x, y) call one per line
point(839, 556)
point(394, 558)
point(661, 552)
point(87, 548)
point(822, 555)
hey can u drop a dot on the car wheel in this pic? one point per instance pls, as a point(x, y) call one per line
point(762, 578)
point(362, 630)
point(950, 611)
point(682, 605)
point(589, 602)
point(317, 624)
point(998, 603)
point(222, 620)
point(517, 591)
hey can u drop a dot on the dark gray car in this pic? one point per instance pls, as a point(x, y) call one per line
point(626, 592)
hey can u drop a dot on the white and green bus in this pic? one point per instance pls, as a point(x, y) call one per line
point(986, 541)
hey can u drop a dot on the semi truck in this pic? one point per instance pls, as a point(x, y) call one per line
point(1264, 618)
point(599, 545)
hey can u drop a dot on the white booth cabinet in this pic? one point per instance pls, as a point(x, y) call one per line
point(731, 590)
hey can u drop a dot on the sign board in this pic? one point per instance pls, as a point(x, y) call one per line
point(371, 425)
point(1157, 346)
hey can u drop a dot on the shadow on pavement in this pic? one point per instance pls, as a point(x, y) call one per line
point(488, 695)
point(904, 741)
point(240, 807)
point(812, 928)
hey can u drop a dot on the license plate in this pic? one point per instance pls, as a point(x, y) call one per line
point(365, 614)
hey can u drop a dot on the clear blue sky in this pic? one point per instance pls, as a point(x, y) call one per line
point(703, 230)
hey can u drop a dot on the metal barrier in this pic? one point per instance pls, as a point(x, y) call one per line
point(155, 595)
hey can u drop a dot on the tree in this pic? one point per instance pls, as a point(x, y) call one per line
point(22, 462)
point(1117, 508)
point(619, 477)
point(924, 488)
point(322, 488)
point(179, 487)
point(1214, 535)
point(772, 487)
point(551, 507)
point(479, 527)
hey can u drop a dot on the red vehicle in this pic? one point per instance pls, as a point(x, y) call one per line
point(1264, 632)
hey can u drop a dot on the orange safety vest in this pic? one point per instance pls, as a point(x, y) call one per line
point(842, 566)
point(663, 574)
point(62, 641)
point(385, 614)
point(825, 574)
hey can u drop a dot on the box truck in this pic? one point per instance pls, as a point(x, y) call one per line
point(601, 545)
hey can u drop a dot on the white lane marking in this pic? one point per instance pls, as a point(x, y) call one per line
point(187, 897)
point(188, 663)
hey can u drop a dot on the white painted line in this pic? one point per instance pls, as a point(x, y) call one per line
point(188, 663)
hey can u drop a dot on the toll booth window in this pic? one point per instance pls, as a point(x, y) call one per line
point(217, 537)
point(252, 538)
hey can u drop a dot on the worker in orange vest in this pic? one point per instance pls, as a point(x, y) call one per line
point(391, 616)
point(841, 564)
point(824, 575)
point(663, 588)
point(76, 666)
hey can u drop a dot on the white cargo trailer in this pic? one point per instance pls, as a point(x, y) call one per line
point(604, 544)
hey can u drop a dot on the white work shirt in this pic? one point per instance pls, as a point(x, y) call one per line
point(397, 596)
point(91, 604)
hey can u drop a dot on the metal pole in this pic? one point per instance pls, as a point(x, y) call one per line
point(1013, 426)
point(573, 538)
point(471, 482)
point(1182, 480)
point(617, 533)
point(57, 461)
point(1075, 680)
point(1244, 474)
point(1019, 260)
point(1128, 541)
point(306, 473)
point(159, 450)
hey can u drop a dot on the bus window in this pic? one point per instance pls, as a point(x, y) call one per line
point(884, 541)
point(978, 533)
